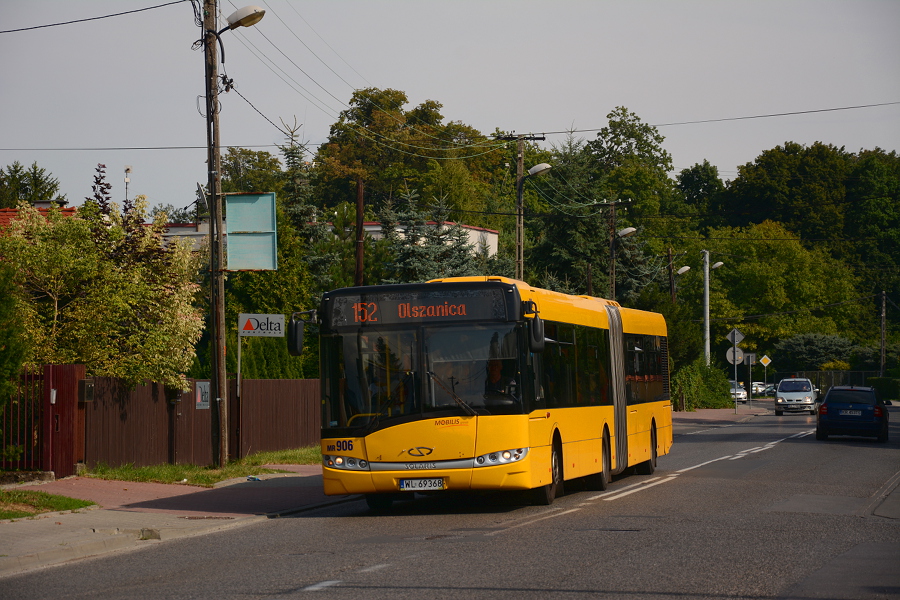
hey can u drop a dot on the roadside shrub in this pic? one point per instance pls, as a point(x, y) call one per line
point(702, 386)
point(887, 387)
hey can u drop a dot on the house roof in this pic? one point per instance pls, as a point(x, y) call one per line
point(7, 215)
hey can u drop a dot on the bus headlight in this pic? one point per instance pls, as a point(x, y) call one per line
point(501, 458)
point(348, 463)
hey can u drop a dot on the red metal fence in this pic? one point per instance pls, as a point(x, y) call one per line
point(20, 425)
point(58, 418)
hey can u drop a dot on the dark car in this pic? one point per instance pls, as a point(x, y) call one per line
point(852, 410)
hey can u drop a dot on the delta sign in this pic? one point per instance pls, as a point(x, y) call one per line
point(261, 325)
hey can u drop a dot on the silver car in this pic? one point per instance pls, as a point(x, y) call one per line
point(738, 393)
point(795, 395)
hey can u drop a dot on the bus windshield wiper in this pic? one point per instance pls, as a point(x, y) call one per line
point(462, 403)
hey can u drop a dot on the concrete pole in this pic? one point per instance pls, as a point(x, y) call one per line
point(705, 254)
point(520, 209)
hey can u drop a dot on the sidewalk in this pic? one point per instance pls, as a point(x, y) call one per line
point(132, 514)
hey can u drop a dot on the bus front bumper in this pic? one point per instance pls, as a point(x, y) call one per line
point(514, 476)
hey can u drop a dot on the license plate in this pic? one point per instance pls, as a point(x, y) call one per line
point(421, 485)
point(851, 413)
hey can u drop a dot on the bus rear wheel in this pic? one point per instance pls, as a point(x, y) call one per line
point(544, 495)
point(599, 481)
point(649, 466)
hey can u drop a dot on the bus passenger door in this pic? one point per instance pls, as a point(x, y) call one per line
point(617, 383)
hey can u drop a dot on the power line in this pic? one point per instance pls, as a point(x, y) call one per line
point(766, 116)
point(129, 12)
point(793, 312)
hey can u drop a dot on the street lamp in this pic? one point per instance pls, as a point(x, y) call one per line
point(680, 271)
point(520, 215)
point(706, 269)
point(613, 236)
point(244, 17)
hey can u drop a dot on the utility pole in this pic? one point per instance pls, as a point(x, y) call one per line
point(360, 233)
point(520, 195)
point(705, 254)
point(612, 252)
point(217, 283)
point(613, 237)
point(671, 276)
point(883, 330)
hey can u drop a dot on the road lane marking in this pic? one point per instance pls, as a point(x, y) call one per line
point(638, 489)
point(532, 521)
point(627, 487)
point(703, 464)
point(374, 568)
point(319, 586)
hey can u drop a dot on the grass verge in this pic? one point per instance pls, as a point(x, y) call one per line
point(17, 504)
point(209, 476)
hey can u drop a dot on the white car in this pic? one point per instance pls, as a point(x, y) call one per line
point(795, 395)
point(757, 387)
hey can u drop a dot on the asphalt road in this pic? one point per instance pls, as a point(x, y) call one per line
point(757, 510)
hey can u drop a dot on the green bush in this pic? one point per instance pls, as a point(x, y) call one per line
point(887, 387)
point(702, 386)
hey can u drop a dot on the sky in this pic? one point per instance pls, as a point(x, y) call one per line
point(128, 90)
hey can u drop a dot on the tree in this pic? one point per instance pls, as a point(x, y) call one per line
point(392, 149)
point(170, 214)
point(122, 301)
point(31, 186)
point(623, 170)
point(251, 171)
point(771, 288)
point(426, 250)
point(627, 139)
point(801, 187)
point(701, 187)
point(873, 222)
point(13, 344)
point(811, 351)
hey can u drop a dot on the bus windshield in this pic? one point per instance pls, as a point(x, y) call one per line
point(372, 376)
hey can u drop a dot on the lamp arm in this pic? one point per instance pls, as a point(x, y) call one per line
point(218, 37)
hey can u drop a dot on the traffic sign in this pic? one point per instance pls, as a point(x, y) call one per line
point(750, 358)
point(735, 355)
point(765, 360)
point(735, 336)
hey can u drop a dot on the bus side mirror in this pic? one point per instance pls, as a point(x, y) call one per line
point(536, 335)
point(535, 328)
point(295, 332)
point(295, 337)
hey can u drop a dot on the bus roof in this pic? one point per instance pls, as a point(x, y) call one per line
point(581, 310)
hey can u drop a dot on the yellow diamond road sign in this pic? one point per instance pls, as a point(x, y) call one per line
point(765, 360)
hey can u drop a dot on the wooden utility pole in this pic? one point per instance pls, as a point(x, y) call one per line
point(520, 196)
point(217, 248)
point(360, 232)
point(883, 331)
point(671, 276)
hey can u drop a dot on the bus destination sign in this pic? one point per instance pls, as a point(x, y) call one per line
point(394, 308)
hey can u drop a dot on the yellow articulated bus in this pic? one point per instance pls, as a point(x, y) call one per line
point(485, 383)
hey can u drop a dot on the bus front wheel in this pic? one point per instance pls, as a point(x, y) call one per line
point(545, 494)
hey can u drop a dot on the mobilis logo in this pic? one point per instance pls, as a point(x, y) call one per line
point(261, 325)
